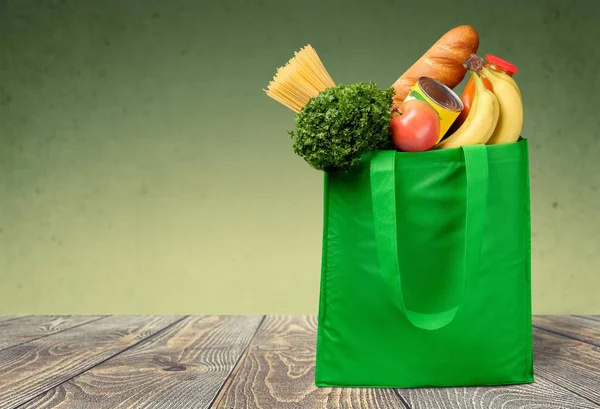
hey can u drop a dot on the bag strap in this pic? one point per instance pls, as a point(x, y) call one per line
point(383, 192)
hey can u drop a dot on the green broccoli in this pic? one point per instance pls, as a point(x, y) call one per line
point(335, 128)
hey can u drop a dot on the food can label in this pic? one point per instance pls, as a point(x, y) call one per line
point(447, 117)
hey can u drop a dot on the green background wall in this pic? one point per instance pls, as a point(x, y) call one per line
point(143, 169)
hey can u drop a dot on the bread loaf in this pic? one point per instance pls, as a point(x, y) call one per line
point(443, 61)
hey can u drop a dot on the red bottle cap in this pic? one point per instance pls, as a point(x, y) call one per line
point(499, 62)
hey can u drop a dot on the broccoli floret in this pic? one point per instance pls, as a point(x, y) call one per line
point(335, 128)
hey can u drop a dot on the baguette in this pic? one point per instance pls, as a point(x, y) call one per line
point(443, 61)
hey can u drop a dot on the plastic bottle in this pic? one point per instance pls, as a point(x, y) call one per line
point(493, 63)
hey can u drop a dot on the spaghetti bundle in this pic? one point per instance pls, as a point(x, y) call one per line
point(302, 78)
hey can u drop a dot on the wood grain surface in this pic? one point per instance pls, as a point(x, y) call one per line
point(30, 369)
point(19, 330)
point(182, 367)
point(582, 329)
point(541, 394)
point(278, 372)
point(232, 362)
point(567, 362)
point(5, 318)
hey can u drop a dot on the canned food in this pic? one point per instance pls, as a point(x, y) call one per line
point(445, 101)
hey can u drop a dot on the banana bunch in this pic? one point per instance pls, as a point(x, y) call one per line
point(495, 117)
point(510, 121)
point(481, 122)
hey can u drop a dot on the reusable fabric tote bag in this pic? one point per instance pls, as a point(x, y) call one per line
point(425, 275)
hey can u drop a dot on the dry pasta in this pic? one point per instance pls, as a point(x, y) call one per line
point(302, 78)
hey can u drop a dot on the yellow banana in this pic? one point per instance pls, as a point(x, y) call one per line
point(481, 121)
point(510, 122)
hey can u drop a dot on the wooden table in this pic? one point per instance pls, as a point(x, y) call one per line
point(250, 362)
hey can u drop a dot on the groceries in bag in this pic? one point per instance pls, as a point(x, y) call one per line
point(337, 124)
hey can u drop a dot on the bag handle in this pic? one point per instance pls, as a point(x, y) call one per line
point(383, 192)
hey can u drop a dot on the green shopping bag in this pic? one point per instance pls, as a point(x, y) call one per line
point(425, 275)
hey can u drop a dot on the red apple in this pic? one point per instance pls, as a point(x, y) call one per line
point(415, 126)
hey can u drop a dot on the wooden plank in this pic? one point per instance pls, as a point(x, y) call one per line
point(182, 367)
point(278, 372)
point(541, 394)
point(30, 369)
point(18, 331)
point(582, 329)
point(573, 364)
point(6, 318)
point(589, 317)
